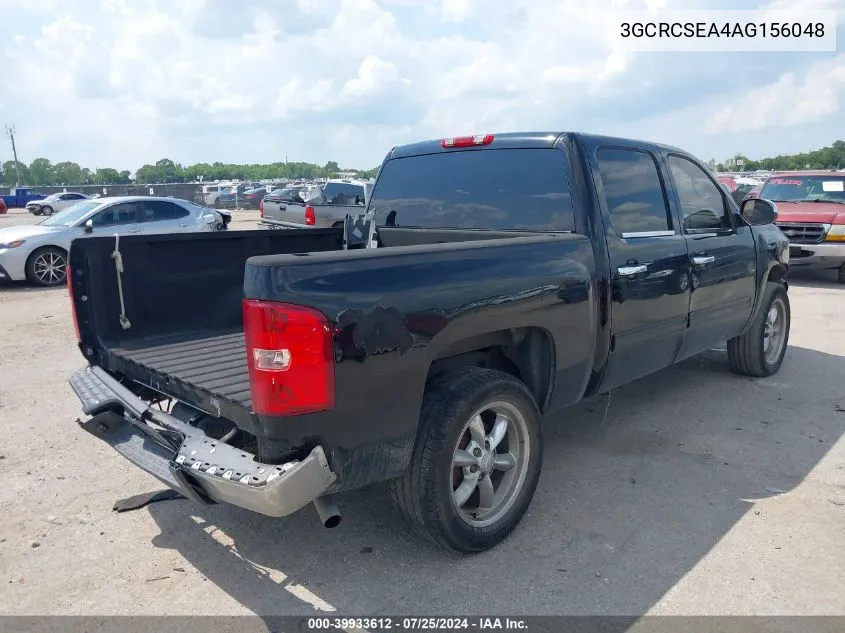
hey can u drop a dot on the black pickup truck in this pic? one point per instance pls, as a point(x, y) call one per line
point(494, 279)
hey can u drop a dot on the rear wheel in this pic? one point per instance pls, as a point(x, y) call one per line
point(47, 267)
point(760, 351)
point(476, 461)
point(840, 274)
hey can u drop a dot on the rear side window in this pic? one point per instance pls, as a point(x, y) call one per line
point(159, 210)
point(476, 189)
point(633, 191)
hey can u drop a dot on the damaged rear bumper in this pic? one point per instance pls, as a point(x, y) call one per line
point(187, 460)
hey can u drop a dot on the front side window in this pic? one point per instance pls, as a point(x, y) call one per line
point(633, 191)
point(123, 213)
point(702, 204)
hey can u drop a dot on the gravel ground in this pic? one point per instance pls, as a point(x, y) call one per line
point(693, 492)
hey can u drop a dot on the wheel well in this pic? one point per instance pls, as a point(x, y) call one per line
point(45, 247)
point(526, 353)
point(777, 273)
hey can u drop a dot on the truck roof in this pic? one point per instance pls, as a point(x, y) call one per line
point(519, 140)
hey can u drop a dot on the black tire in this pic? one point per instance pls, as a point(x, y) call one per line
point(840, 274)
point(48, 210)
point(747, 353)
point(36, 212)
point(38, 275)
point(424, 494)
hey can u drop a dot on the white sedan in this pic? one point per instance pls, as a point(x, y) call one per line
point(55, 202)
point(38, 252)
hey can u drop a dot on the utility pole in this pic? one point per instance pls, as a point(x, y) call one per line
point(11, 132)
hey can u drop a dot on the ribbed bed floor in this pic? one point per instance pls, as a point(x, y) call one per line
point(216, 364)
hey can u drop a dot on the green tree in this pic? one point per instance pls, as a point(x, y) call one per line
point(67, 174)
point(41, 172)
point(10, 176)
point(107, 176)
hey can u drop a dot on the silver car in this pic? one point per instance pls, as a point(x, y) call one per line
point(38, 252)
point(55, 202)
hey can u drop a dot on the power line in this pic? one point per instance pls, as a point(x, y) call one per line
point(10, 130)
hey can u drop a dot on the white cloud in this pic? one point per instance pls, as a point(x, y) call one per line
point(122, 82)
point(375, 76)
point(787, 102)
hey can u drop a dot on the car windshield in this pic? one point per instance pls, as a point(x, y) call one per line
point(71, 215)
point(805, 189)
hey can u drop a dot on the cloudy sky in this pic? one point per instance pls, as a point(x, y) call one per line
point(122, 82)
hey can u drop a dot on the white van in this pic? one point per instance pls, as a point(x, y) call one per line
point(210, 193)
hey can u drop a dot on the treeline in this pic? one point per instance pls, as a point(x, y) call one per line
point(832, 157)
point(41, 172)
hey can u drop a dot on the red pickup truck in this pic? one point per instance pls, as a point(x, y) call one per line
point(811, 213)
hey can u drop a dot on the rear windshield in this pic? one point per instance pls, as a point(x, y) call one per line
point(476, 189)
point(805, 188)
point(343, 193)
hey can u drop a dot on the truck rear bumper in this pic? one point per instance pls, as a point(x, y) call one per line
point(189, 461)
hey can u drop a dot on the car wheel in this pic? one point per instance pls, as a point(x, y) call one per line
point(47, 267)
point(760, 351)
point(48, 210)
point(36, 212)
point(840, 274)
point(476, 461)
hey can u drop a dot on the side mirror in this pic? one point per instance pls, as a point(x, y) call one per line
point(89, 226)
point(758, 212)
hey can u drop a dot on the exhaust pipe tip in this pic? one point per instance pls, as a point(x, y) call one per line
point(328, 512)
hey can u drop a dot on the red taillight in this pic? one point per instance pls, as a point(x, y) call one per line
point(310, 217)
point(68, 276)
point(261, 208)
point(466, 141)
point(290, 355)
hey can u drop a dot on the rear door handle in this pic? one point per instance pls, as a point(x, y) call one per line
point(703, 260)
point(627, 271)
point(136, 230)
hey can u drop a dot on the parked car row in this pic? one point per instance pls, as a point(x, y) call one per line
point(38, 252)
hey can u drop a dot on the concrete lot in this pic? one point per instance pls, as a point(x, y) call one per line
point(699, 492)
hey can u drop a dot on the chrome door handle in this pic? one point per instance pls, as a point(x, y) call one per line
point(627, 271)
point(134, 230)
point(703, 260)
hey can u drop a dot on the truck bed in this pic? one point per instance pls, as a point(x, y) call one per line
point(215, 364)
point(183, 297)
